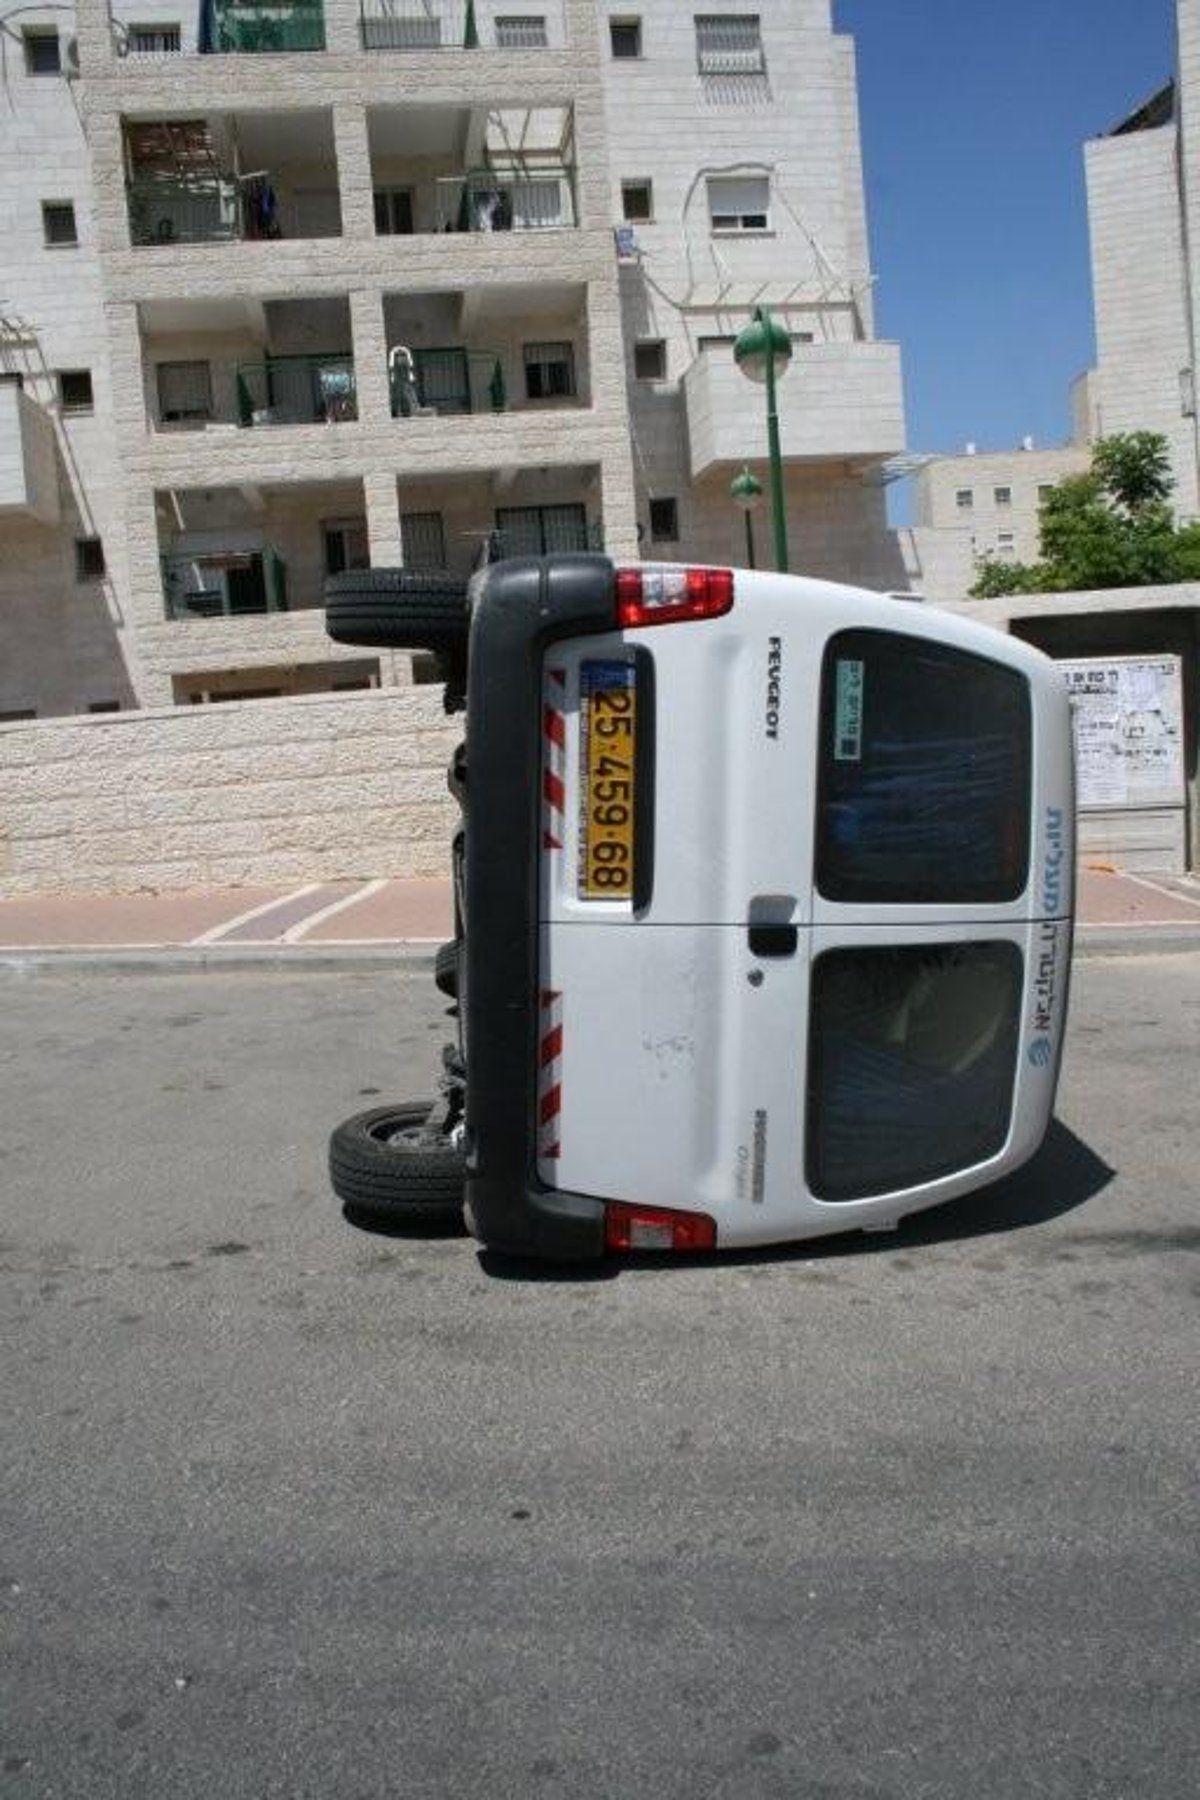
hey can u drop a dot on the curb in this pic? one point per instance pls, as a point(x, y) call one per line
point(1136, 940)
point(284, 959)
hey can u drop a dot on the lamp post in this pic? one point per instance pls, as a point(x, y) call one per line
point(763, 351)
point(745, 490)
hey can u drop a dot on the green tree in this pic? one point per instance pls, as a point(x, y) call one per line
point(1111, 527)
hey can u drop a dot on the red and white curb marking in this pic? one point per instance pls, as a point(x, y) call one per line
point(554, 760)
point(549, 1091)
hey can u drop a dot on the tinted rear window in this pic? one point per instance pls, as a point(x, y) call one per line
point(912, 1061)
point(923, 773)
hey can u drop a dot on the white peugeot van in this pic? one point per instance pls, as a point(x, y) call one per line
point(764, 907)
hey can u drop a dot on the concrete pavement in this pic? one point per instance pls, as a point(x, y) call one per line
point(367, 921)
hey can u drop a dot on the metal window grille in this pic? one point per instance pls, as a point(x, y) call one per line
point(155, 40)
point(58, 222)
point(184, 391)
point(541, 530)
point(423, 538)
point(729, 44)
point(549, 371)
point(393, 212)
point(526, 32)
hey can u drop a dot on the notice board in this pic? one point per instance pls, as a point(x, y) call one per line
point(1127, 713)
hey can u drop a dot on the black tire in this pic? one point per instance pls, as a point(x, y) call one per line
point(398, 609)
point(445, 969)
point(387, 1169)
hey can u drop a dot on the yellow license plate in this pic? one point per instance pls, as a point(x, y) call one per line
point(609, 720)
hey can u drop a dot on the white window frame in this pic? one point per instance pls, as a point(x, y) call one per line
point(733, 208)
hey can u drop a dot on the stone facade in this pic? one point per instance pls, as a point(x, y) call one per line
point(982, 504)
point(298, 789)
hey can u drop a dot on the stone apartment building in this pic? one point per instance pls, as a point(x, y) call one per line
point(292, 286)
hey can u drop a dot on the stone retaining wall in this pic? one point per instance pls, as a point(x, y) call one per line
point(309, 788)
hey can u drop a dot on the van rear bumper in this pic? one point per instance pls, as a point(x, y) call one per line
point(518, 608)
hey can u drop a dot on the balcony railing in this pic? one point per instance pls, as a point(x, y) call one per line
point(491, 200)
point(425, 382)
point(241, 27)
point(410, 25)
point(297, 390)
point(215, 585)
point(179, 210)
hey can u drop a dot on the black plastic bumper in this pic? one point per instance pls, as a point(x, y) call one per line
point(517, 609)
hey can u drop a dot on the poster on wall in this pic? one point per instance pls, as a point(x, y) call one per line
point(1127, 713)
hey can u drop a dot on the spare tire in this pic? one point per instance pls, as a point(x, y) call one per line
point(387, 1166)
point(397, 609)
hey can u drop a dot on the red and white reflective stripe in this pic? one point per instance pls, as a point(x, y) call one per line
point(554, 760)
point(549, 1087)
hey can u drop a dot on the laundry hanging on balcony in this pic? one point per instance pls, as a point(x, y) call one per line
point(260, 206)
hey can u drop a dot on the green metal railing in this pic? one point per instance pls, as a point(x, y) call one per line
point(530, 199)
point(212, 586)
point(183, 210)
point(297, 390)
point(247, 27)
point(448, 380)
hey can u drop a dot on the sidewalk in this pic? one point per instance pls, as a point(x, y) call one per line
point(380, 921)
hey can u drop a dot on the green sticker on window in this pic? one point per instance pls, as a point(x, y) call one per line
point(847, 727)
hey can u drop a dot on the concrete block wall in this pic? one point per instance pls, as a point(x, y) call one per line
point(309, 788)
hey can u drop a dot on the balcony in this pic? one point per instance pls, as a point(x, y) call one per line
point(840, 400)
point(434, 383)
point(250, 27)
point(496, 200)
point(232, 178)
point(297, 390)
point(230, 584)
point(28, 457)
point(453, 25)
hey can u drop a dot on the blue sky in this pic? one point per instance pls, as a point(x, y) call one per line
point(974, 118)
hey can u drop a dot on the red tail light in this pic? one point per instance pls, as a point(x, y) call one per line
point(629, 1227)
point(656, 595)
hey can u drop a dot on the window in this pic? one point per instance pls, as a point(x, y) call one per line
point(541, 530)
point(43, 55)
point(154, 40)
point(1044, 488)
point(549, 371)
point(650, 360)
point(345, 546)
point(664, 522)
point(739, 202)
point(184, 392)
point(15, 715)
point(729, 44)
point(393, 212)
point(58, 222)
point(525, 32)
point(1002, 496)
point(625, 36)
point(637, 201)
point(89, 559)
point(921, 1039)
point(75, 390)
point(104, 706)
point(423, 536)
point(964, 499)
point(923, 781)
point(1004, 546)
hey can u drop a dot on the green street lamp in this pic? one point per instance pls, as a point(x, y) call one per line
point(745, 490)
point(763, 351)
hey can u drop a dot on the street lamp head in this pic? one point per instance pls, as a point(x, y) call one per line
point(764, 341)
point(745, 490)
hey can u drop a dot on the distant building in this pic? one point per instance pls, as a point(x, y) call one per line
point(981, 505)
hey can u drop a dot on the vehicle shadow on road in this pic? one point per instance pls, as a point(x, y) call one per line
point(1065, 1174)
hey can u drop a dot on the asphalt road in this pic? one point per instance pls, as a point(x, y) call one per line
point(287, 1509)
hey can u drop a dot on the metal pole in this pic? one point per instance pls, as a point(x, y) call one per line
point(749, 542)
point(778, 517)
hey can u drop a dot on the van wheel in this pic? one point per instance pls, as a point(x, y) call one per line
point(445, 969)
point(397, 609)
point(389, 1166)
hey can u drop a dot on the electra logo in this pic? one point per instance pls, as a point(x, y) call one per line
point(1052, 877)
point(1039, 1052)
point(774, 685)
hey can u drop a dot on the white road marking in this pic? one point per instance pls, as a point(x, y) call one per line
point(295, 933)
point(217, 932)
